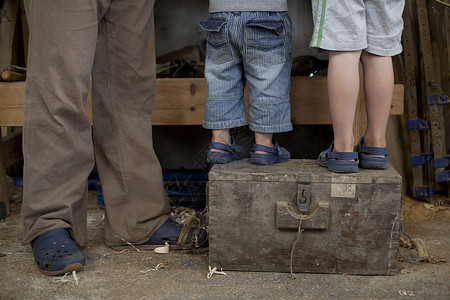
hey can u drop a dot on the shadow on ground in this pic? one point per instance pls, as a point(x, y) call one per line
point(183, 274)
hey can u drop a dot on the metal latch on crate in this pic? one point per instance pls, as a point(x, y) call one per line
point(303, 197)
point(287, 218)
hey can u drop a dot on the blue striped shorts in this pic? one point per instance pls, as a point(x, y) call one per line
point(252, 47)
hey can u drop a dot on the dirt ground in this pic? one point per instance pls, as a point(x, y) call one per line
point(183, 274)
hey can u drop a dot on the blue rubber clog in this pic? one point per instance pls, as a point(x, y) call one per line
point(55, 253)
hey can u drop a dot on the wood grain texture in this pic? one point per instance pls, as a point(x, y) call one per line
point(363, 232)
point(182, 101)
point(411, 94)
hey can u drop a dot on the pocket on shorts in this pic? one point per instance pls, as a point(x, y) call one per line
point(217, 48)
point(265, 42)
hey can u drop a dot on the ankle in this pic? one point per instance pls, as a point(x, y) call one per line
point(374, 142)
point(343, 147)
point(264, 139)
point(221, 136)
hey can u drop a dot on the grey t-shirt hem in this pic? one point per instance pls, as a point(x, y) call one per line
point(247, 5)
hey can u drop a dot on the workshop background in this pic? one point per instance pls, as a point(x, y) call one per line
point(418, 143)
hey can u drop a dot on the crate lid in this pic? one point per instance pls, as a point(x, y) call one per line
point(298, 170)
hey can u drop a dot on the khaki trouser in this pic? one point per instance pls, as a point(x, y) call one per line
point(70, 41)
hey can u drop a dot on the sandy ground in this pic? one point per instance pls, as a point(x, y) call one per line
point(183, 274)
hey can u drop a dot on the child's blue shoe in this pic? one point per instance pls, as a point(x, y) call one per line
point(231, 153)
point(274, 155)
point(55, 253)
point(339, 162)
point(367, 160)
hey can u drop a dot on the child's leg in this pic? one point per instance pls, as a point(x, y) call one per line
point(378, 90)
point(264, 139)
point(343, 88)
point(220, 136)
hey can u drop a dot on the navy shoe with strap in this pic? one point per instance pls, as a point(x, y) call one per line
point(339, 162)
point(227, 155)
point(367, 158)
point(55, 253)
point(274, 155)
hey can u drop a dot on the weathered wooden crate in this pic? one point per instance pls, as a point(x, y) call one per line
point(350, 223)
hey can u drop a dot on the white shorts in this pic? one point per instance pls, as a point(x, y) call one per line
point(348, 25)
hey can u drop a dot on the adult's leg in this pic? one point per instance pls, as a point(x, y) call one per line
point(343, 88)
point(378, 90)
point(123, 96)
point(57, 144)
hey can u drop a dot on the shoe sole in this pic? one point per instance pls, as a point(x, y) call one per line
point(372, 167)
point(68, 269)
point(341, 168)
point(260, 159)
point(144, 247)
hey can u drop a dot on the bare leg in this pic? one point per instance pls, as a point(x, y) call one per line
point(263, 139)
point(378, 90)
point(221, 136)
point(343, 89)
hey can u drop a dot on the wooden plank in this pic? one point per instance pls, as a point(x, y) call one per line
point(435, 111)
point(7, 30)
point(411, 93)
point(181, 102)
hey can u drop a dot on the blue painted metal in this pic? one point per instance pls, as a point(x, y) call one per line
point(441, 162)
point(18, 181)
point(437, 99)
point(100, 201)
point(421, 159)
point(179, 187)
point(422, 191)
point(418, 124)
point(442, 176)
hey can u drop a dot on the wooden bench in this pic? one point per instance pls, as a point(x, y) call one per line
point(181, 102)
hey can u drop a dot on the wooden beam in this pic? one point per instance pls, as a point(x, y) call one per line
point(411, 94)
point(181, 101)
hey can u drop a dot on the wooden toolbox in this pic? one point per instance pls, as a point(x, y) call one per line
point(349, 222)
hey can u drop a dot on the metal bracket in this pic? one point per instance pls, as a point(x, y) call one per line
point(437, 99)
point(303, 197)
point(441, 162)
point(442, 176)
point(422, 191)
point(319, 218)
point(418, 124)
point(421, 159)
